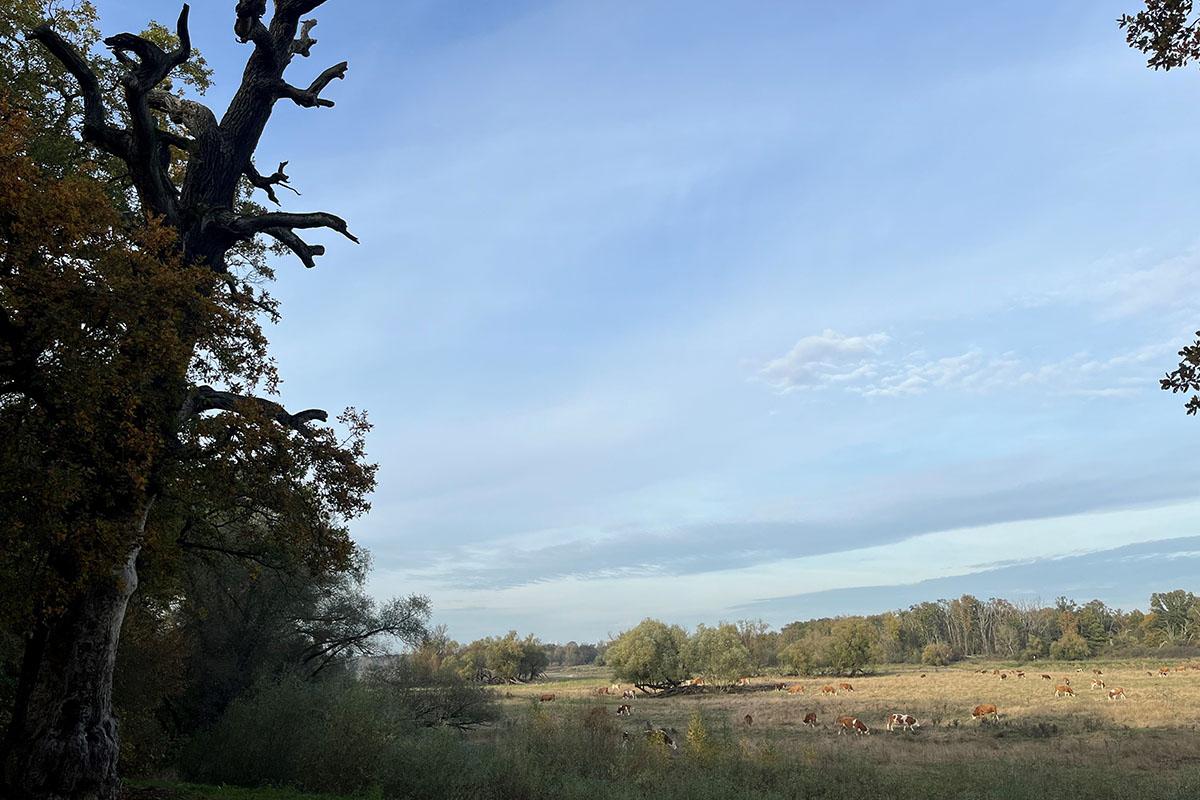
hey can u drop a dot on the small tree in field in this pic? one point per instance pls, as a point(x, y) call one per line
point(718, 654)
point(1070, 647)
point(937, 654)
point(651, 656)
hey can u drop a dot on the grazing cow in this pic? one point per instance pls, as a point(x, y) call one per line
point(905, 722)
point(796, 688)
point(827, 689)
point(1164, 672)
point(1020, 674)
point(1116, 693)
point(1079, 669)
point(985, 710)
point(779, 687)
point(1097, 672)
point(810, 719)
point(845, 687)
point(1063, 691)
point(546, 698)
point(1003, 676)
point(624, 710)
point(995, 672)
point(852, 724)
point(922, 674)
point(696, 682)
point(661, 736)
point(743, 681)
point(627, 694)
point(1046, 677)
point(749, 720)
point(1097, 684)
point(601, 690)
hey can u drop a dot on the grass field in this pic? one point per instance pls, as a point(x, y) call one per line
point(1154, 728)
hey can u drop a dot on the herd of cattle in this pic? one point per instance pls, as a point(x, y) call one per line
point(850, 724)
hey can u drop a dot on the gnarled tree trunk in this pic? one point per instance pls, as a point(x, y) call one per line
point(62, 742)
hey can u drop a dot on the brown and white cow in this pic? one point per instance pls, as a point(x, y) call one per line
point(1063, 691)
point(810, 719)
point(828, 689)
point(905, 722)
point(624, 710)
point(1116, 693)
point(845, 687)
point(852, 724)
point(1164, 672)
point(546, 698)
point(1097, 684)
point(1003, 676)
point(1097, 671)
point(1020, 674)
point(985, 710)
point(743, 681)
point(796, 688)
point(627, 694)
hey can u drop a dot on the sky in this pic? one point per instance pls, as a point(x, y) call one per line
point(724, 310)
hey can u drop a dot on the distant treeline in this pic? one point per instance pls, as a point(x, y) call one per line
point(933, 633)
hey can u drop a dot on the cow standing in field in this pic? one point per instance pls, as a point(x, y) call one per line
point(1046, 677)
point(1063, 691)
point(1097, 684)
point(828, 689)
point(810, 719)
point(906, 722)
point(546, 698)
point(1116, 693)
point(627, 694)
point(743, 681)
point(1020, 674)
point(1164, 672)
point(796, 688)
point(985, 710)
point(624, 710)
point(852, 724)
point(845, 687)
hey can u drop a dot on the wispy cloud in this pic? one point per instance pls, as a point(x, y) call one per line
point(862, 365)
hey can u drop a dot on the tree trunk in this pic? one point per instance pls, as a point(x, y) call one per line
point(62, 743)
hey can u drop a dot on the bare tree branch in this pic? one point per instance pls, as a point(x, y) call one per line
point(248, 226)
point(305, 251)
point(153, 65)
point(206, 398)
point(268, 182)
point(311, 97)
point(304, 45)
point(96, 128)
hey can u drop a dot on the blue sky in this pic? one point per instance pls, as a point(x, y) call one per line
point(712, 310)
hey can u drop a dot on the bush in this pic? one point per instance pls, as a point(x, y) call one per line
point(1070, 647)
point(938, 654)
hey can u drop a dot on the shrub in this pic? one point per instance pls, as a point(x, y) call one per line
point(938, 654)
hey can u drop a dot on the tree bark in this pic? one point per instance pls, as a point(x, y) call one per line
point(62, 742)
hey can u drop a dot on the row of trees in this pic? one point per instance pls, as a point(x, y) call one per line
point(657, 655)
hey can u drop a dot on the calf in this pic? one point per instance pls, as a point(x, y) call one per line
point(1116, 693)
point(905, 722)
point(985, 710)
point(852, 724)
point(1063, 691)
point(546, 698)
point(624, 710)
point(810, 719)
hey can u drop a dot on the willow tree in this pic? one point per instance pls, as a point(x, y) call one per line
point(135, 383)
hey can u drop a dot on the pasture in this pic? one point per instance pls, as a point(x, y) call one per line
point(1155, 728)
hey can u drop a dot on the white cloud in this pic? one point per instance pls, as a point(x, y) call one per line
point(829, 358)
point(860, 365)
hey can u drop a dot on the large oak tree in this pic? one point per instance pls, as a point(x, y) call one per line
point(135, 383)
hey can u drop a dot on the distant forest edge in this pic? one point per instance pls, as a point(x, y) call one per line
point(656, 654)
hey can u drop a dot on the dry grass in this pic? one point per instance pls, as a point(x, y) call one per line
point(1156, 727)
